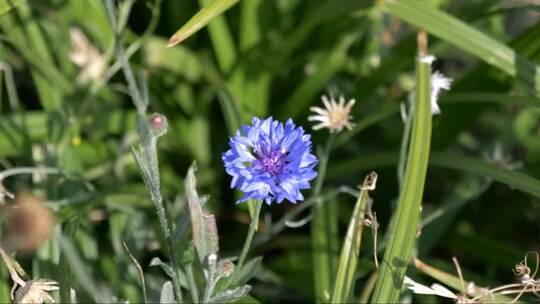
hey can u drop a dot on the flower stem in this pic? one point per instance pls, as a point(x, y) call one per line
point(146, 157)
point(192, 284)
point(252, 228)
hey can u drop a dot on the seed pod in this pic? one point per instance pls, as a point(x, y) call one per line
point(28, 223)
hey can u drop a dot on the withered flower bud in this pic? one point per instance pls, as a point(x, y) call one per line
point(28, 223)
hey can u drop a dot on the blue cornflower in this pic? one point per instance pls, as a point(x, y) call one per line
point(270, 161)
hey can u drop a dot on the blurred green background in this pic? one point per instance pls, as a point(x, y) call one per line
point(263, 58)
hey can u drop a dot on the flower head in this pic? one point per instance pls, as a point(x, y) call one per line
point(438, 82)
point(85, 55)
point(270, 161)
point(335, 116)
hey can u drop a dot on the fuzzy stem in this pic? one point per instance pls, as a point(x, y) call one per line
point(149, 161)
point(192, 284)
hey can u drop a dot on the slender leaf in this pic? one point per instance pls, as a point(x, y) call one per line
point(345, 275)
point(307, 91)
point(403, 235)
point(210, 11)
point(7, 5)
point(465, 37)
point(514, 179)
point(203, 226)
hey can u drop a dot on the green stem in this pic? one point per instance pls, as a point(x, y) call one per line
point(149, 164)
point(252, 228)
point(323, 230)
point(192, 284)
point(27, 170)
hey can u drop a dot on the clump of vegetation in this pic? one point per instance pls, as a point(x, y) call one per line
point(177, 151)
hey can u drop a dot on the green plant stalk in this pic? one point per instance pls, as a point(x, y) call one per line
point(192, 284)
point(403, 236)
point(324, 232)
point(346, 268)
point(253, 226)
point(149, 162)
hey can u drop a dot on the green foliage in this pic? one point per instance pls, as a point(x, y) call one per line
point(91, 148)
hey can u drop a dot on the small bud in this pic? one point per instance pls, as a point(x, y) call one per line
point(158, 124)
point(225, 268)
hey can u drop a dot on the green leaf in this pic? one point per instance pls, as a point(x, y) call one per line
point(202, 18)
point(7, 5)
point(403, 234)
point(465, 37)
point(346, 271)
point(325, 247)
point(231, 295)
point(205, 237)
point(79, 270)
point(514, 179)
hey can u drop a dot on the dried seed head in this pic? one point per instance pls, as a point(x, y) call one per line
point(335, 116)
point(36, 292)
point(28, 223)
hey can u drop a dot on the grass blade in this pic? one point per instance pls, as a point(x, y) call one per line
point(400, 245)
point(346, 270)
point(304, 94)
point(202, 18)
point(514, 179)
point(464, 37)
point(6, 6)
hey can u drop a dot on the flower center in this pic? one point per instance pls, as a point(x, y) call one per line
point(272, 162)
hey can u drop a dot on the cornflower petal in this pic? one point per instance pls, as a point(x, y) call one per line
point(270, 161)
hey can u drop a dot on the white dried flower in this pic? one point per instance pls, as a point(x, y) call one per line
point(36, 292)
point(435, 289)
point(86, 56)
point(335, 116)
point(438, 82)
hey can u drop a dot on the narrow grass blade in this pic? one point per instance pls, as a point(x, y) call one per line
point(28, 35)
point(202, 18)
point(325, 247)
point(345, 275)
point(7, 5)
point(305, 93)
point(251, 78)
point(514, 179)
point(403, 236)
point(80, 273)
point(456, 98)
point(465, 37)
point(230, 110)
point(221, 38)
